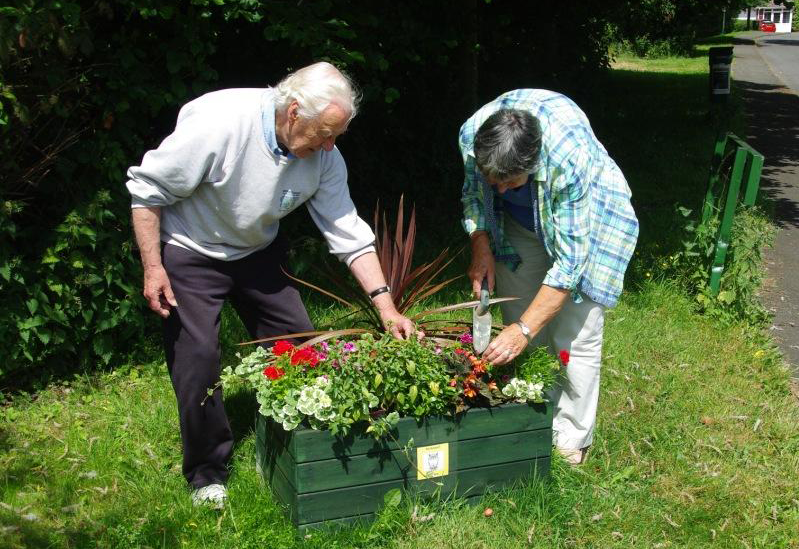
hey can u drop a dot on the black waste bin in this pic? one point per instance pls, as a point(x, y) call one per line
point(720, 59)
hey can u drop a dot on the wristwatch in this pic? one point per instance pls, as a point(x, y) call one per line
point(525, 331)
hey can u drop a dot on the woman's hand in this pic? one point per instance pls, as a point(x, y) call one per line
point(482, 265)
point(506, 346)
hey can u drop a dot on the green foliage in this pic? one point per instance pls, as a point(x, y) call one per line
point(743, 270)
point(86, 87)
point(378, 379)
point(655, 48)
point(75, 300)
point(659, 28)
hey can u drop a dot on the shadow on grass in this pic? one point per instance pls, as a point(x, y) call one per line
point(663, 142)
point(241, 408)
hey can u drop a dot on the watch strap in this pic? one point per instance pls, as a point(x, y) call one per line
point(525, 330)
point(381, 290)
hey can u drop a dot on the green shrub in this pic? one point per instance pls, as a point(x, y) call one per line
point(79, 301)
point(743, 269)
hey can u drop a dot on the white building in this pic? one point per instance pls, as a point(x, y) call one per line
point(780, 15)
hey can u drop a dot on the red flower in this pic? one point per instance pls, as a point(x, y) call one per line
point(282, 347)
point(274, 373)
point(305, 357)
point(564, 357)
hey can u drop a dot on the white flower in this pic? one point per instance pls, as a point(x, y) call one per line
point(523, 391)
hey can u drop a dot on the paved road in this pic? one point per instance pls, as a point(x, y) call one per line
point(766, 70)
point(781, 53)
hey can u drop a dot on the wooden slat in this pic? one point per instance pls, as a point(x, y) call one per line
point(344, 502)
point(284, 492)
point(311, 445)
point(392, 465)
point(335, 523)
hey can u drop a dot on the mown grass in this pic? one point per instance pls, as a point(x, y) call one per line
point(697, 442)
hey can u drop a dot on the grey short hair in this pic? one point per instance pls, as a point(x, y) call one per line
point(316, 87)
point(507, 144)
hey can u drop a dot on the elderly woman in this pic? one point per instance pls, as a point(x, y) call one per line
point(550, 221)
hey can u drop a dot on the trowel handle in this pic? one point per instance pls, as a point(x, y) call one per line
point(484, 295)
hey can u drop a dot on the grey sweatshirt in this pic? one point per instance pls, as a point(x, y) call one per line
point(223, 191)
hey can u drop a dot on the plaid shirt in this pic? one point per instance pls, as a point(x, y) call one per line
point(588, 224)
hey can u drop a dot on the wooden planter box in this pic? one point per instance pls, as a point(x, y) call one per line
point(323, 479)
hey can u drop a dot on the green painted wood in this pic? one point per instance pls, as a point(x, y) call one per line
point(746, 169)
point(282, 489)
point(360, 500)
point(335, 524)
point(391, 465)
point(753, 178)
point(725, 227)
point(715, 166)
point(311, 445)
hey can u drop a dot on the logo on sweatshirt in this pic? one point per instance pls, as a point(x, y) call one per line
point(288, 200)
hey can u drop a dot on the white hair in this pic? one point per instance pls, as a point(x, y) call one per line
point(316, 87)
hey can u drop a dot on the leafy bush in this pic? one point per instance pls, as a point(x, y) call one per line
point(743, 270)
point(76, 301)
point(655, 48)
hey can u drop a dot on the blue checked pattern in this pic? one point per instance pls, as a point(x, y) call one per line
point(588, 224)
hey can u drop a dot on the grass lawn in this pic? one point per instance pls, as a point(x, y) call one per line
point(697, 442)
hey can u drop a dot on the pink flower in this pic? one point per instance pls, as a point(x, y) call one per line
point(350, 347)
point(465, 338)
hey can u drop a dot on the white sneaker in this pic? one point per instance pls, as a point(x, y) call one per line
point(213, 496)
point(572, 456)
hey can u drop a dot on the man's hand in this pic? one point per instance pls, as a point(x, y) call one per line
point(482, 265)
point(158, 291)
point(400, 326)
point(366, 269)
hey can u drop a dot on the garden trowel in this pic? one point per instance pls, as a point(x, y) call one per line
point(481, 321)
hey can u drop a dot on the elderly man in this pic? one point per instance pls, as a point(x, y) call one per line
point(550, 220)
point(206, 208)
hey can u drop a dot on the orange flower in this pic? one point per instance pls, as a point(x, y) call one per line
point(469, 390)
point(492, 385)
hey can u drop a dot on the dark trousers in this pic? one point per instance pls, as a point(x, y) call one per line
point(267, 304)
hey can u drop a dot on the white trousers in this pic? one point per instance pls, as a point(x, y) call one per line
point(578, 328)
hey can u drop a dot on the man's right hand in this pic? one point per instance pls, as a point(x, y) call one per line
point(158, 290)
point(482, 265)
